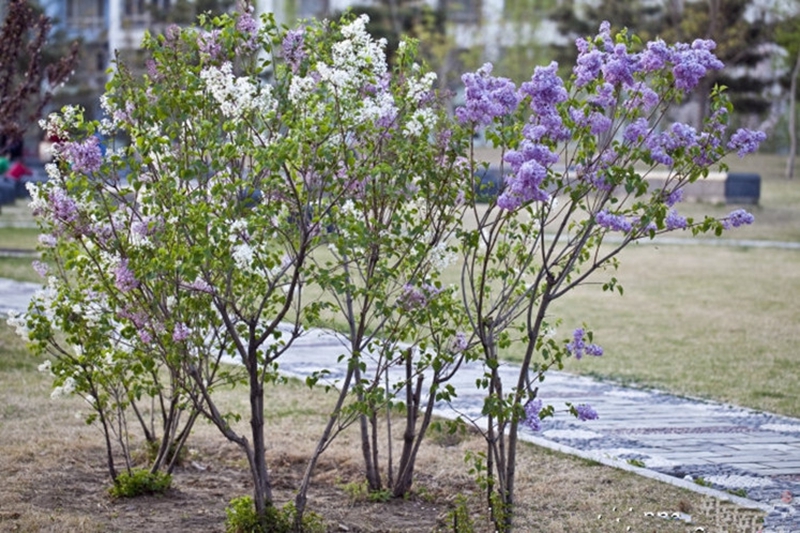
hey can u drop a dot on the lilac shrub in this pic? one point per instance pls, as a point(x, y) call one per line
point(239, 212)
point(576, 154)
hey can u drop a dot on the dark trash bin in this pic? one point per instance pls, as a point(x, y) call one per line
point(742, 188)
point(8, 191)
point(490, 186)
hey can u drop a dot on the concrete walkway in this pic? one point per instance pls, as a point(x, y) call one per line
point(676, 440)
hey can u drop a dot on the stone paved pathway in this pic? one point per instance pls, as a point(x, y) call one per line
point(676, 440)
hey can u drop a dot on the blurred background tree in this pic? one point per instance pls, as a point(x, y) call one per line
point(30, 72)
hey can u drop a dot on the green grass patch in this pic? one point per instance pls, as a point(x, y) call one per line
point(718, 323)
point(18, 268)
point(19, 238)
point(14, 356)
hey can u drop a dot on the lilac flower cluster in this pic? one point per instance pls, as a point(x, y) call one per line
point(674, 197)
point(48, 240)
point(578, 346)
point(532, 410)
point(487, 97)
point(529, 164)
point(737, 218)
point(412, 297)
point(199, 285)
point(146, 226)
point(208, 42)
point(139, 318)
point(746, 141)
point(613, 222)
point(613, 63)
point(86, 156)
point(293, 52)
point(691, 63)
point(62, 206)
point(40, 268)
point(460, 343)
point(249, 26)
point(675, 221)
point(546, 90)
point(124, 279)
point(585, 412)
point(596, 121)
point(180, 333)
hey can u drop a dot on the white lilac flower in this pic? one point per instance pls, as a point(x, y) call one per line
point(422, 120)
point(236, 95)
point(441, 257)
point(243, 255)
point(300, 88)
point(418, 88)
point(63, 390)
point(19, 323)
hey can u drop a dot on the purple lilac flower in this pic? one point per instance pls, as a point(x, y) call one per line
point(524, 186)
point(63, 207)
point(208, 42)
point(532, 151)
point(598, 123)
point(145, 336)
point(529, 164)
point(637, 130)
point(604, 34)
point(746, 141)
point(674, 197)
point(619, 67)
point(682, 136)
point(585, 412)
point(180, 333)
point(613, 222)
point(532, 410)
point(103, 232)
point(173, 32)
point(85, 157)
point(139, 318)
point(587, 67)
point(545, 88)
point(691, 63)
point(249, 26)
point(578, 346)
point(487, 97)
point(737, 218)
point(658, 145)
point(47, 240)
point(596, 178)
point(605, 96)
point(641, 97)
point(293, 52)
point(146, 226)
point(656, 56)
point(40, 268)
point(460, 342)
point(674, 221)
point(199, 285)
point(124, 278)
point(412, 297)
point(152, 70)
